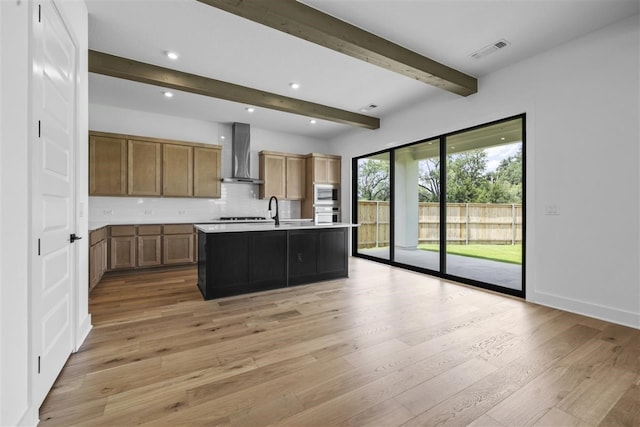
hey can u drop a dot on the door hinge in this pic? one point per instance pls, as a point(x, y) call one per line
point(38, 364)
point(39, 13)
point(38, 247)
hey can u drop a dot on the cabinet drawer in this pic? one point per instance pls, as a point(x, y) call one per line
point(97, 235)
point(148, 230)
point(178, 229)
point(123, 230)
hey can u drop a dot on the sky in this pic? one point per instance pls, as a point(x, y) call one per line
point(497, 153)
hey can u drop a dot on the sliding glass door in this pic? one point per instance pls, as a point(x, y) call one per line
point(417, 205)
point(484, 204)
point(452, 206)
point(373, 189)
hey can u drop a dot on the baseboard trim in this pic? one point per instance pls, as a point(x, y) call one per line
point(610, 314)
point(30, 418)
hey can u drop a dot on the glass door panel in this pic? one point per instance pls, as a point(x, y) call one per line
point(373, 205)
point(484, 182)
point(417, 205)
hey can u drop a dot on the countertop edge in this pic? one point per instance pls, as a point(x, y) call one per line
point(240, 228)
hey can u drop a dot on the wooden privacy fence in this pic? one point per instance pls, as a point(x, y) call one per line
point(467, 223)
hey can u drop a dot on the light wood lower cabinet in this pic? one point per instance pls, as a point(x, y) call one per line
point(122, 251)
point(125, 247)
point(149, 251)
point(178, 249)
point(97, 256)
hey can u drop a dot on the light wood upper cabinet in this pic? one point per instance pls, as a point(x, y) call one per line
point(206, 172)
point(144, 168)
point(333, 170)
point(107, 166)
point(273, 173)
point(295, 178)
point(324, 169)
point(126, 165)
point(177, 170)
point(283, 175)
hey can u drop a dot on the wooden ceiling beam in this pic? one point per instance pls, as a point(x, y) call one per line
point(116, 66)
point(325, 30)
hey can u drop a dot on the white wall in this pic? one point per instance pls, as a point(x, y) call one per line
point(14, 202)
point(16, 361)
point(237, 199)
point(582, 106)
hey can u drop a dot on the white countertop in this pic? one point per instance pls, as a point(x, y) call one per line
point(94, 225)
point(284, 226)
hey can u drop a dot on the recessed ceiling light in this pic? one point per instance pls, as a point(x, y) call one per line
point(222, 137)
point(313, 121)
point(294, 85)
point(171, 55)
point(502, 139)
point(168, 94)
point(250, 109)
point(452, 147)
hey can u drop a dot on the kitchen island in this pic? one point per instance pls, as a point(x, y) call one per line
point(234, 259)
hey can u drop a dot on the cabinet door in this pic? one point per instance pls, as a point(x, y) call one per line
point(267, 259)
point(94, 259)
point(177, 170)
point(123, 252)
point(104, 256)
point(144, 168)
point(206, 172)
point(303, 254)
point(295, 178)
point(332, 251)
point(149, 251)
point(178, 249)
point(333, 171)
point(320, 170)
point(107, 166)
point(273, 173)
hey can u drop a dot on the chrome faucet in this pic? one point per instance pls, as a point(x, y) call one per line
point(269, 208)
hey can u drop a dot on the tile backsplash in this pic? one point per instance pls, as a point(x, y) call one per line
point(236, 200)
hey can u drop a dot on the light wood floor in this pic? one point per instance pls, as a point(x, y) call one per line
point(386, 347)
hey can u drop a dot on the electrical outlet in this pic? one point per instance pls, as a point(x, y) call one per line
point(107, 212)
point(148, 212)
point(182, 212)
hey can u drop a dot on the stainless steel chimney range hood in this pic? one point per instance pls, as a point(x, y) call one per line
point(240, 153)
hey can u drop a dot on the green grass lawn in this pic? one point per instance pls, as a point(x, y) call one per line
point(504, 253)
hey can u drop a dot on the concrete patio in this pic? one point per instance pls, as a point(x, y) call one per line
point(488, 271)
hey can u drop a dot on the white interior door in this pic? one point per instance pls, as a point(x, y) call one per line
point(53, 183)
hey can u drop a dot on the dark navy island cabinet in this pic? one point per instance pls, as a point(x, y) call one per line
point(234, 263)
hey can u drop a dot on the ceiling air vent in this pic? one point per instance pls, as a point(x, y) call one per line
point(487, 50)
point(367, 108)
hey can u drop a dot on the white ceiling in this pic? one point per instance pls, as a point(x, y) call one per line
point(222, 46)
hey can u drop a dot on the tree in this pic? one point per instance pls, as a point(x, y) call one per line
point(466, 178)
point(509, 175)
point(429, 180)
point(373, 180)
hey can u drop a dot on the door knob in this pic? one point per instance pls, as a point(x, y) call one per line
point(73, 237)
